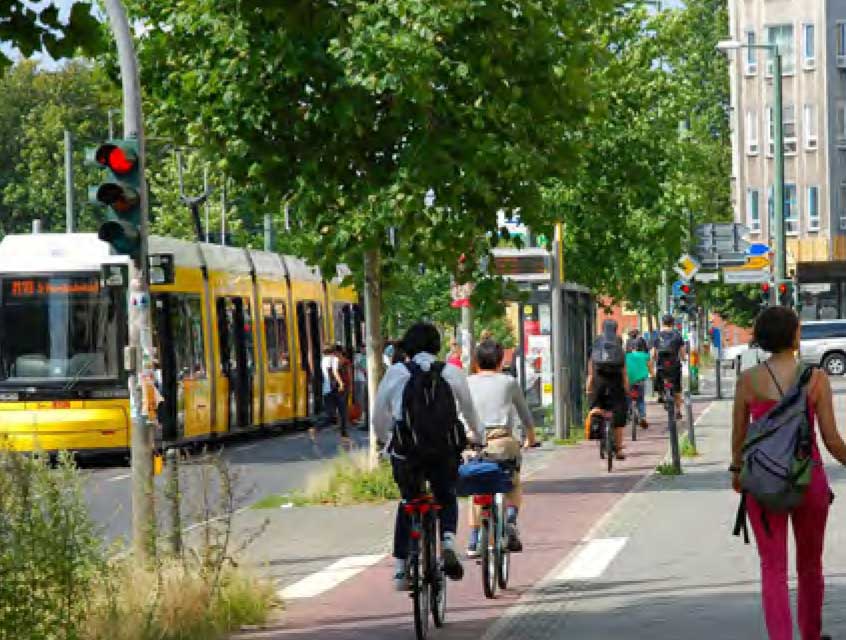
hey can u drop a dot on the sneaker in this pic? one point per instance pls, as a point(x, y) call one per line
point(473, 551)
point(401, 583)
point(514, 543)
point(452, 565)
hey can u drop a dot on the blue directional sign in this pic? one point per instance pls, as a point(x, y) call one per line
point(677, 285)
point(757, 249)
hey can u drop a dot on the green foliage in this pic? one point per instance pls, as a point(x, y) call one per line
point(737, 304)
point(352, 112)
point(50, 553)
point(37, 27)
point(37, 107)
point(667, 469)
point(686, 447)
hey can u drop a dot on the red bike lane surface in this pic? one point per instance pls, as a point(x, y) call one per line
point(563, 500)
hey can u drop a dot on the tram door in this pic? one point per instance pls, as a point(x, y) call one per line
point(308, 327)
point(235, 333)
point(165, 370)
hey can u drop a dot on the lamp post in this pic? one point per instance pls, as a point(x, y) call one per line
point(778, 140)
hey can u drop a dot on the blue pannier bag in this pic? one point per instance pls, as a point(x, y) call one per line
point(478, 477)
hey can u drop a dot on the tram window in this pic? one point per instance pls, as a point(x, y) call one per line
point(280, 313)
point(181, 336)
point(270, 340)
point(248, 335)
point(194, 313)
point(225, 329)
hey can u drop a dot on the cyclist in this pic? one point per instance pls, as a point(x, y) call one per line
point(638, 369)
point(636, 342)
point(421, 342)
point(607, 381)
point(668, 352)
point(496, 396)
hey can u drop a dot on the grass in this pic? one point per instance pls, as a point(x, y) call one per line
point(175, 602)
point(667, 469)
point(687, 448)
point(347, 480)
point(575, 437)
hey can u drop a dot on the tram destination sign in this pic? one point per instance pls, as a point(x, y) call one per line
point(522, 265)
point(45, 287)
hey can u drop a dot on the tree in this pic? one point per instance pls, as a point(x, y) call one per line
point(38, 105)
point(34, 28)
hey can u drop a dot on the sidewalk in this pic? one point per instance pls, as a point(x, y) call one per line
point(567, 492)
point(679, 572)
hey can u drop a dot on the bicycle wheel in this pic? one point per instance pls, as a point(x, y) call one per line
point(503, 562)
point(487, 538)
point(437, 579)
point(609, 444)
point(419, 588)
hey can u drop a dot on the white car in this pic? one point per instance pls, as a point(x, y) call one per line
point(744, 355)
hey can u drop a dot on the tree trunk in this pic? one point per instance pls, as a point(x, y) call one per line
point(373, 327)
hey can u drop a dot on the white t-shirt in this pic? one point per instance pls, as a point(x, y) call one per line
point(328, 365)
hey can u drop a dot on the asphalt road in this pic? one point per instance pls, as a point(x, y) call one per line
point(260, 465)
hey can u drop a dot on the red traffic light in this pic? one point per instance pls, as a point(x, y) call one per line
point(119, 159)
point(765, 288)
point(782, 288)
point(685, 289)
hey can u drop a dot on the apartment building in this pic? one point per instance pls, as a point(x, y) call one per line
point(811, 35)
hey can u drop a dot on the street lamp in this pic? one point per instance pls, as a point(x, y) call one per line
point(778, 123)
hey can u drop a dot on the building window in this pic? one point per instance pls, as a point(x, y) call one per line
point(841, 44)
point(809, 57)
point(791, 210)
point(751, 132)
point(782, 35)
point(789, 123)
point(753, 212)
point(840, 115)
point(770, 124)
point(813, 208)
point(751, 54)
point(810, 124)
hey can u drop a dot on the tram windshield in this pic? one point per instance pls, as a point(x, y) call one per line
point(58, 328)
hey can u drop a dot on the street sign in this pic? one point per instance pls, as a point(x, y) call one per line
point(721, 244)
point(757, 262)
point(822, 287)
point(757, 249)
point(745, 276)
point(721, 230)
point(677, 285)
point(716, 260)
point(711, 276)
point(686, 267)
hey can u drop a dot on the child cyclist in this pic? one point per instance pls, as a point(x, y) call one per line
point(496, 396)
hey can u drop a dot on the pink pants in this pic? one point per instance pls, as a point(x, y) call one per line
point(809, 521)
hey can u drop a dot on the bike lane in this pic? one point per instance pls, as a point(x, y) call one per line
point(564, 500)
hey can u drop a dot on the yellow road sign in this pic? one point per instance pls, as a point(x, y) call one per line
point(757, 262)
point(687, 266)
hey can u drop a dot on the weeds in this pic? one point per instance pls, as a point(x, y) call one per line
point(687, 448)
point(348, 480)
point(667, 469)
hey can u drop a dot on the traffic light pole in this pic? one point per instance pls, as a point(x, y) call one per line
point(140, 349)
point(778, 196)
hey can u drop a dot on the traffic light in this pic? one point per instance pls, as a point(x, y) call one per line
point(120, 193)
point(785, 294)
point(764, 302)
point(687, 299)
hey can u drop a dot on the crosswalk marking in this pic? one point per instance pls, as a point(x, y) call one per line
point(593, 559)
point(330, 577)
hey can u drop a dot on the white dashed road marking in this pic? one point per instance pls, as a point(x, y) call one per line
point(593, 559)
point(329, 578)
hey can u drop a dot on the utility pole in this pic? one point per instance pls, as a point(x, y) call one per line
point(69, 226)
point(373, 340)
point(140, 349)
point(560, 393)
point(778, 123)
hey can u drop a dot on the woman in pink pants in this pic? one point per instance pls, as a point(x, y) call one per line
point(759, 390)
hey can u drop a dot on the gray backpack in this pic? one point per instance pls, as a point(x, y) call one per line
point(777, 462)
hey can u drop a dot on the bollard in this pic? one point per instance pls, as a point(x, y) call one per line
point(674, 436)
point(173, 497)
point(688, 405)
point(719, 374)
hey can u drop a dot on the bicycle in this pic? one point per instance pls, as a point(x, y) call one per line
point(634, 412)
point(494, 555)
point(426, 572)
point(607, 447)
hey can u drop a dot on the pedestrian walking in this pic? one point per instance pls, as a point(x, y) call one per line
point(360, 378)
point(759, 390)
point(454, 356)
point(334, 391)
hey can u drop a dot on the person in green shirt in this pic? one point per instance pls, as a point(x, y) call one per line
point(638, 365)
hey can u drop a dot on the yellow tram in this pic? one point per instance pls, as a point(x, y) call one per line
point(238, 337)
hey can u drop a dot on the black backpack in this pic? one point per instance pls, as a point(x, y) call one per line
point(667, 348)
point(429, 431)
point(607, 355)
